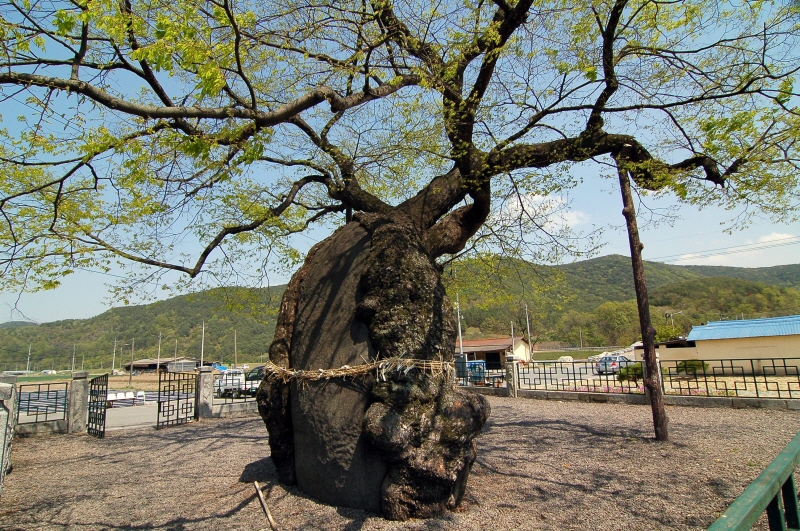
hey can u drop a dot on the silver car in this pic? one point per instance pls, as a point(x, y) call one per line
point(611, 364)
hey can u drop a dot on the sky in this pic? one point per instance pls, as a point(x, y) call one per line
point(695, 238)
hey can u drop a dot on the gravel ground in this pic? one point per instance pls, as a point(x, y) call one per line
point(541, 465)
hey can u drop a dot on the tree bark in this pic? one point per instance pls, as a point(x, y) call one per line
point(652, 374)
point(400, 443)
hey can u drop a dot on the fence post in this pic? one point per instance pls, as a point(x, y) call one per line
point(512, 377)
point(78, 402)
point(8, 419)
point(205, 393)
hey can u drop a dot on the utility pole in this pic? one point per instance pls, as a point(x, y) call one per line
point(83, 359)
point(158, 360)
point(130, 372)
point(513, 346)
point(28, 366)
point(530, 339)
point(460, 340)
point(202, 343)
point(652, 374)
point(73, 357)
point(580, 335)
point(114, 357)
point(235, 356)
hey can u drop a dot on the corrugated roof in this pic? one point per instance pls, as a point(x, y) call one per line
point(774, 326)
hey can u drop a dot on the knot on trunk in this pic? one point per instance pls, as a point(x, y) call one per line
point(424, 428)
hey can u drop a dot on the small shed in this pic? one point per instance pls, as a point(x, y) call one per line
point(494, 350)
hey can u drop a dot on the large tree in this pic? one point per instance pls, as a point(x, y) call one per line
point(198, 136)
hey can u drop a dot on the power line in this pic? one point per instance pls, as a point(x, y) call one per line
point(736, 249)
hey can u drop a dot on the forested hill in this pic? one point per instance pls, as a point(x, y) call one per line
point(590, 295)
point(592, 302)
point(787, 276)
point(609, 278)
point(726, 298)
point(250, 312)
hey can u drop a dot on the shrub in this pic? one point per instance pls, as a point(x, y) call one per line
point(631, 372)
point(691, 366)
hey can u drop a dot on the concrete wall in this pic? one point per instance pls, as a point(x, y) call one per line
point(521, 352)
point(673, 354)
point(750, 348)
point(77, 414)
point(206, 408)
point(741, 348)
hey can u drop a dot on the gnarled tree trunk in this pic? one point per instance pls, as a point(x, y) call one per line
point(400, 443)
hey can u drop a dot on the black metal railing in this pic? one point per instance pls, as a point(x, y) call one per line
point(98, 395)
point(749, 378)
point(177, 395)
point(746, 378)
point(42, 402)
point(480, 375)
point(580, 376)
point(230, 388)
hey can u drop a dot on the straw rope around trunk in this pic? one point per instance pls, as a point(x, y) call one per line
point(436, 368)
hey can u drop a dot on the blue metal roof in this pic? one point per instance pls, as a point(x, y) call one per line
point(774, 326)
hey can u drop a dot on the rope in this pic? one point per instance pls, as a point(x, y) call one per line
point(381, 368)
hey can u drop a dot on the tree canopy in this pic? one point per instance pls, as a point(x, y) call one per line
point(198, 136)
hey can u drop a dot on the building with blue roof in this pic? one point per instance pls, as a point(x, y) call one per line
point(750, 328)
point(773, 344)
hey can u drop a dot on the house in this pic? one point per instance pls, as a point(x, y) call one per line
point(760, 340)
point(494, 350)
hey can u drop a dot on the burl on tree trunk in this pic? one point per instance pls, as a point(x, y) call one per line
point(402, 443)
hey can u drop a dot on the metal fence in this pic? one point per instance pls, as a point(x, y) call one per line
point(42, 402)
point(234, 388)
point(577, 376)
point(177, 394)
point(772, 491)
point(750, 378)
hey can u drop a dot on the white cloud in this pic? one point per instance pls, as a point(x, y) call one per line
point(551, 212)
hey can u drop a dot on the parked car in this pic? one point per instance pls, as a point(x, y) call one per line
point(253, 380)
point(49, 371)
point(611, 364)
point(232, 383)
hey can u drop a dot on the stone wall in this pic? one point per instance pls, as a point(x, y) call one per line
point(8, 419)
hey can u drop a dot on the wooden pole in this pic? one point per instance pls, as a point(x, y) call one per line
point(130, 372)
point(272, 523)
point(652, 376)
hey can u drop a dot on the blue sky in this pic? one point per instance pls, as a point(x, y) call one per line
point(696, 237)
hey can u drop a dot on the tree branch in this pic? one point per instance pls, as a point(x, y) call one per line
point(262, 119)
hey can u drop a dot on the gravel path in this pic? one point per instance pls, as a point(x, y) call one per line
point(541, 465)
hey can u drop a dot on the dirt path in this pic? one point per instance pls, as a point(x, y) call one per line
point(542, 465)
